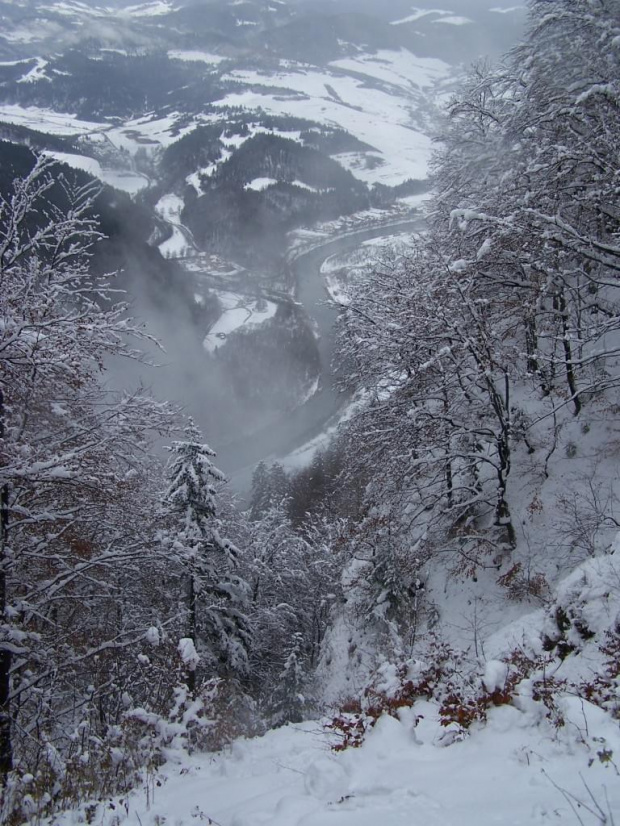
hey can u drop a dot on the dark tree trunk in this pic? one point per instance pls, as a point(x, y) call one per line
point(191, 673)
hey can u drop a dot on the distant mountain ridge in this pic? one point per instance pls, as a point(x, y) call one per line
point(255, 26)
point(116, 84)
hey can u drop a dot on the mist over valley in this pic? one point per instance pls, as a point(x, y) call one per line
point(241, 132)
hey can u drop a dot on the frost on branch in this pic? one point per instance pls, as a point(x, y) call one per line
point(81, 581)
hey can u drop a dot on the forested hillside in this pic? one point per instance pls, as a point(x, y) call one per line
point(453, 549)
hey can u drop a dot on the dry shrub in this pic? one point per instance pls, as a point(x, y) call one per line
point(424, 681)
point(522, 585)
point(602, 690)
point(462, 696)
point(463, 706)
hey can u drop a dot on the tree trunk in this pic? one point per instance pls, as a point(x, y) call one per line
point(191, 674)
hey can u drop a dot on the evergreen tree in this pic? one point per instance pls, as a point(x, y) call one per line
point(258, 494)
point(215, 597)
point(269, 488)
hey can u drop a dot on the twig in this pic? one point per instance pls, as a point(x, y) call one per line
point(575, 803)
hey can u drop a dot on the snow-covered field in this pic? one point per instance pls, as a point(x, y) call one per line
point(342, 270)
point(386, 100)
point(145, 132)
point(239, 311)
point(304, 239)
point(384, 115)
point(524, 765)
point(46, 120)
point(125, 180)
point(194, 56)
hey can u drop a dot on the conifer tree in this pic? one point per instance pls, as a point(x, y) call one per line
point(215, 597)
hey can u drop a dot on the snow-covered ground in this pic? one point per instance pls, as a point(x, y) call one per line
point(454, 20)
point(386, 100)
point(147, 132)
point(125, 180)
point(398, 68)
point(513, 772)
point(46, 120)
point(169, 208)
point(380, 116)
point(304, 239)
point(37, 72)
point(259, 184)
point(342, 270)
point(417, 14)
point(239, 311)
point(524, 765)
point(194, 56)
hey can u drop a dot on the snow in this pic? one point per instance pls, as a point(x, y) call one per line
point(158, 131)
point(342, 270)
point(145, 132)
point(130, 182)
point(401, 68)
point(187, 652)
point(495, 675)
point(156, 9)
point(73, 8)
point(28, 35)
point(259, 184)
point(454, 20)
point(510, 9)
point(169, 208)
point(194, 56)
point(306, 186)
point(125, 180)
point(510, 772)
point(417, 14)
point(45, 120)
point(86, 164)
point(152, 636)
point(485, 248)
point(239, 311)
point(415, 201)
point(194, 178)
point(378, 117)
point(36, 73)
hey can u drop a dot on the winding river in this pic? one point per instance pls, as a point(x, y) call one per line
point(298, 427)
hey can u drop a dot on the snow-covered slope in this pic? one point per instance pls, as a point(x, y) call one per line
point(384, 100)
point(542, 755)
point(512, 771)
point(508, 773)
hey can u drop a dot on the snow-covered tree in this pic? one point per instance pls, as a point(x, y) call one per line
point(76, 583)
point(288, 702)
point(216, 597)
point(269, 487)
point(511, 297)
point(294, 584)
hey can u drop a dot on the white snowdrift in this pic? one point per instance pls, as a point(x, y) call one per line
point(402, 776)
